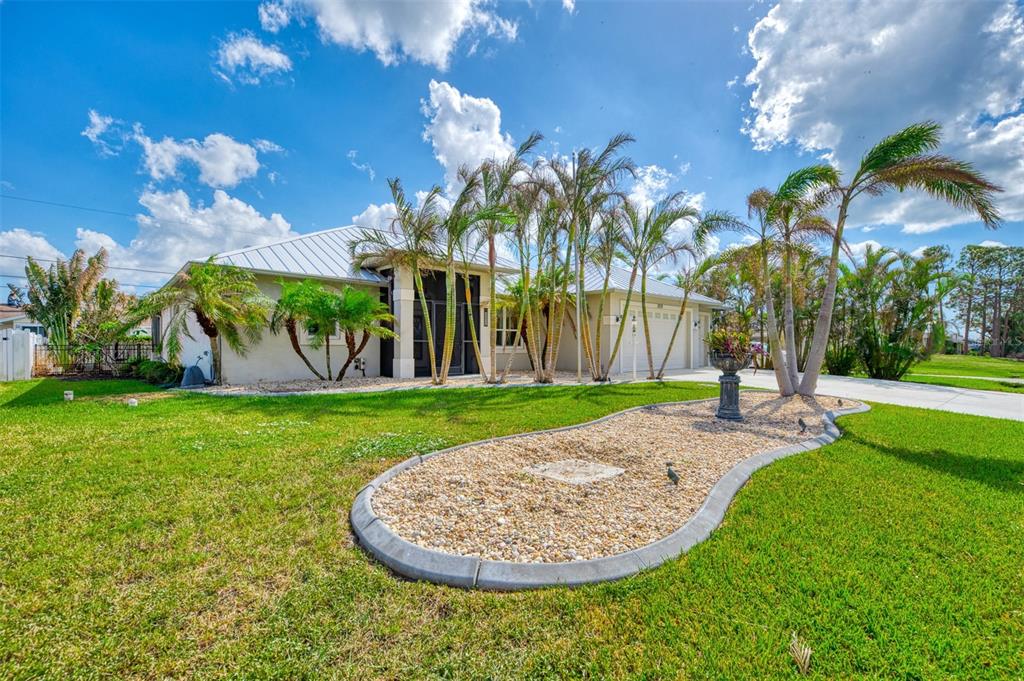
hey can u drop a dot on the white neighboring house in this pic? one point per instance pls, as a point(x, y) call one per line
point(325, 257)
point(15, 317)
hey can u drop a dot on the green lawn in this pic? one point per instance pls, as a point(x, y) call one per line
point(201, 536)
point(969, 383)
point(969, 365)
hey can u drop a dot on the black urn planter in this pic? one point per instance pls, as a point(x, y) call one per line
point(729, 384)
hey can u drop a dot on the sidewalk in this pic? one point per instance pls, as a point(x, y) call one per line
point(959, 400)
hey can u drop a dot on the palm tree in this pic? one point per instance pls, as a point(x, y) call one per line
point(602, 248)
point(648, 241)
point(56, 296)
point(225, 301)
point(581, 188)
point(766, 235)
point(296, 306)
point(497, 184)
point(411, 243)
point(358, 312)
point(700, 264)
point(904, 160)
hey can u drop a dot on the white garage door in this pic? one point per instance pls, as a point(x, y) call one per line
point(662, 321)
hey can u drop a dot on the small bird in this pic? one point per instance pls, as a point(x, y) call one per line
point(672, 475)
point(803, 424)
point(840, 401)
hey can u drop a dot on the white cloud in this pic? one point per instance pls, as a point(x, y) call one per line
point(222, 161)
point(353, 156)
point(834, 93)
point(19, 241)
point(376, 217)
point(731, 83)
point(859, 248)
point(569, 6)
point(650, 186)
point(919, 251)
point(273, 16)
point(990, 243)
point(267, 147)
point(426, 32)
point(463, 130)
point(105, 132)
point(174, 230)
point(245, 59)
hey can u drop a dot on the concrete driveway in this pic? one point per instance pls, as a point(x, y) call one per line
point(959, 400)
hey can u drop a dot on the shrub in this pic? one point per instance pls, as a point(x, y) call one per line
point(842, 360)
point(157, 371)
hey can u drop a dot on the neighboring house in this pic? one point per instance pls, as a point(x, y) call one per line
point(325, 257)
point(15, 317)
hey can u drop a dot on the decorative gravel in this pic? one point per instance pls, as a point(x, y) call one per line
point(355, 384)
point(481, 500)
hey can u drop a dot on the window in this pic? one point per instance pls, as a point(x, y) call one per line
point(507, 328)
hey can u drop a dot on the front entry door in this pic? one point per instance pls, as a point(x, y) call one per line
point(421, 354)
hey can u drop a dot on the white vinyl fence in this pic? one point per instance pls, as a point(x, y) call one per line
point(17, 348)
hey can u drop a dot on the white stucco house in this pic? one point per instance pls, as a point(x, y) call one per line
point(325, 256)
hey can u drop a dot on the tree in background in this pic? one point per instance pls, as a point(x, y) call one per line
point(57, 295)
point(225, 302)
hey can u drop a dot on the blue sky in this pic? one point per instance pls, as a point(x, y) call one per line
point(218, 125)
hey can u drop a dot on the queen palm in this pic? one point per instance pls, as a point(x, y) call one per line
point(410, 243)
point(225, 301)
point(602, 248)
point(904, 160)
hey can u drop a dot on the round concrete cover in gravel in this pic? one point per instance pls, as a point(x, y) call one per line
point(415, 561)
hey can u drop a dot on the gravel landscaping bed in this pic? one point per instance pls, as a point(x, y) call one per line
point(495, 500)
point(355, 384)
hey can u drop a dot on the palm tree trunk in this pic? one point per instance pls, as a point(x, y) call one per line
point(215, 356)
point(427, 326)
point(647, 327)
point(598, 362)
point(293, 336)
point(622, 324)
point(675, 330)
point(787, 311)
point(449, 322)
point(327, 346)
point(492, 258)
point(823, 325)
point(353, 351)
point(781, 373)
point(488, 378)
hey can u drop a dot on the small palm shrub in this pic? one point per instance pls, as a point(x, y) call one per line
point(841, 361)
point(156, 371)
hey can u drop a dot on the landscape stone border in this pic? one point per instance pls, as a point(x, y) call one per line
point(415, 562)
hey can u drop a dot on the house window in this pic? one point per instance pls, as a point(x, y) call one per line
point(507, 328)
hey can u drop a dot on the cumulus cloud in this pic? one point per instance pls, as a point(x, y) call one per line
point(569, 6)
point(857, 249)
point(426, 32)
point(463, 130)
point(376, 217)
point(243, 58)
point(20, 241)
point(222, 161)
point(172, 231)
point(834, 93)
point(990, 243)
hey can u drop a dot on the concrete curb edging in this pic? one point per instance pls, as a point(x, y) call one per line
point(415, 562)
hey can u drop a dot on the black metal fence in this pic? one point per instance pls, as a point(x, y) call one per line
point(89, 360)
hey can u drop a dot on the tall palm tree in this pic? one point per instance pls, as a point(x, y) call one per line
point(602, 248)
point(700, 264)
point(225, 302)
point(904, 160)
point(358, 312)
point(497, 185)
point(649, 241)
point(581, 187)
point(411, 243)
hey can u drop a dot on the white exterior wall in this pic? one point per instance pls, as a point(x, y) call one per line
point(272, 358)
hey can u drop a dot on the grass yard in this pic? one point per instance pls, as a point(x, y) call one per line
point(202, 536)
point(970, 365)
point(996, 385)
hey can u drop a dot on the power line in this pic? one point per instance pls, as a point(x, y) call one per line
point(124, 215)
point(109, 267)
point(122, 283)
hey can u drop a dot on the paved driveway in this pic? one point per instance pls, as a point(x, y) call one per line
point(959, 400)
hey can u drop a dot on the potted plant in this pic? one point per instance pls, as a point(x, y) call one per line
point(730, 352)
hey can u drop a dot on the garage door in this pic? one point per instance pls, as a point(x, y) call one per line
point(662, 320)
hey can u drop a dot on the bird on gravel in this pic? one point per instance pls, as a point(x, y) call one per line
point(840, 402)
point(803, 424)
point(672, 475)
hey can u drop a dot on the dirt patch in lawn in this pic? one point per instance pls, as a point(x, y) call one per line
point(488, 500)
